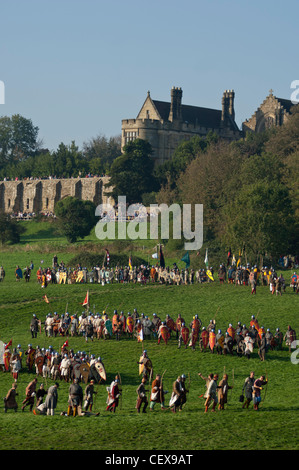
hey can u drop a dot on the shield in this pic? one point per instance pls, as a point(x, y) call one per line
point(108, 325)
point(205, 338)
point(76, 370)
point(2, 349)
point(210, 275)
point(165, 333)
point(101, 370)
point(173, 399)
point(221, 341)
point(141, 366)
point(212, 340)
point(6, 358)
point(170, 324)
point(39, 361)
point(185, 334)
point(84, 371)
point(130, 324)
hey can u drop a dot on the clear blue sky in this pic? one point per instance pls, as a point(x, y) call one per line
point(77, 68)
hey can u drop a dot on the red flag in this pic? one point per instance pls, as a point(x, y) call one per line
point(86, 301)
point(46, 299)
point(8, 344)
point(65, 344)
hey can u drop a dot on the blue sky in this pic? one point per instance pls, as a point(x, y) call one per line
point(77, 68)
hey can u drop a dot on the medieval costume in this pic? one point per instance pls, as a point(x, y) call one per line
point(51, 399)
point(248, 389)
point(75, 398)
point(223, 388)
point(10, 399)
point(141, 396)
point(157, 393)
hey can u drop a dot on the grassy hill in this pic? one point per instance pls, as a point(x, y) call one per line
point(273, 427)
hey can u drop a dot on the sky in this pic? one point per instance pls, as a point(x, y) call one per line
point(77, 68)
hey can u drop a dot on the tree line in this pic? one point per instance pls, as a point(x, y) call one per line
point(22, 154)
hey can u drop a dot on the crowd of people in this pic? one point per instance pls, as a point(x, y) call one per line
point(247, 275)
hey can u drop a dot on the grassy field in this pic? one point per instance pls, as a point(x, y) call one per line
point(273, 427)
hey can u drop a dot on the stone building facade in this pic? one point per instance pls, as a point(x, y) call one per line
point(272, 112)
point(165, 124)
point(41, 195)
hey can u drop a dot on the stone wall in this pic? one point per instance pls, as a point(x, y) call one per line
point(41, 195)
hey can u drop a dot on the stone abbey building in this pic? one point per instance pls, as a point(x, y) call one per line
point(165, 124)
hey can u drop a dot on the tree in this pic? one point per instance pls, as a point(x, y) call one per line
point(18, 138)
point(261, 216)
point(76, 218)
point(10, 230)
point(100, 153)
point(131, 174)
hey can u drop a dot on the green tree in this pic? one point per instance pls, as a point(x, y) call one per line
point(76, 218)
point(10, 230)
point(131, 174)
point(18, 138)
point(261, 216)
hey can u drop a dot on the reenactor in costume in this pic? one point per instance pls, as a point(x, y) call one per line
point(262, 347)
point(211, 392)
point(219, 342)
point(55, 366)
point(15, 363)
point(248, 345)
point(30, 353)
point(75, 398)
point(178, 396)
point(178, 323)
point(157, 393)
point(240, 345)
point(115, 394)
point(248, 389)
point(223, 389)
point(30, 394)
point(269, 340)
point(41, 392)
point(147, 327)
point(278, 339)
point(156, 322)
point(228, 344)
point(65, 368)
point(146, 365)
point(183, 336)
point(89, 331)
point(257, 388)
point(130, 325)
point(10, 399)
point(74, 325)
point(211, 326)
point(49, 325)
point(290, 336)
point(141, 396)
point(88, 396)
point(34, 324)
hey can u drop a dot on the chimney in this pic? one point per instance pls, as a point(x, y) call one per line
point(176, 104)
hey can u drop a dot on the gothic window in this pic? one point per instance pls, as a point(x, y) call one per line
point(269, 122)
point(130, 136)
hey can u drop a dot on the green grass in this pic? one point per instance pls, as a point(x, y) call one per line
point(273, 427)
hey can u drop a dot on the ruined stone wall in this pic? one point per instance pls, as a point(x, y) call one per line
point(41, 195)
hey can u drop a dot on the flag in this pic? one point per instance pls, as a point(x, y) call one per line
point(140, 336)
point(8, 344)
point(86, 300)
point(229, 254)
point(186, 259)
point(207, 259)
point(130, 262)
point(155, 255)
point(239, 260)
point(162, 261)
point(65, 344)
point(107, 256)
point(46, 299)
